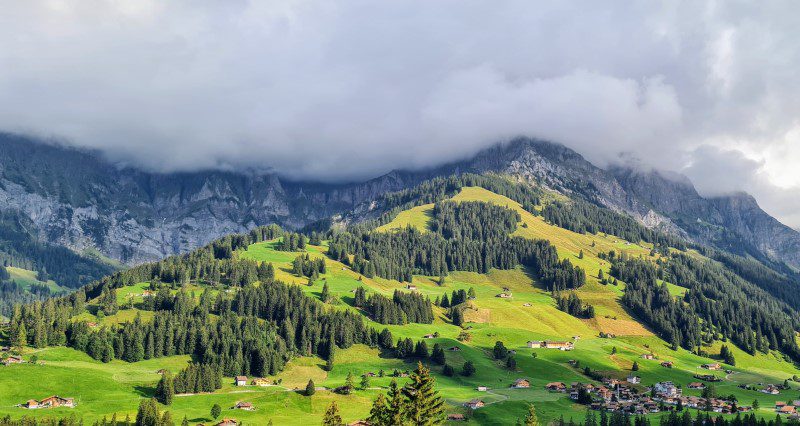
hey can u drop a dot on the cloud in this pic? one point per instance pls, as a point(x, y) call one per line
point(351, 89)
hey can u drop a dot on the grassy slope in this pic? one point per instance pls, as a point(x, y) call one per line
point(102, 389)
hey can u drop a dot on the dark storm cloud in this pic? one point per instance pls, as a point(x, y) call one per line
point(350, 89)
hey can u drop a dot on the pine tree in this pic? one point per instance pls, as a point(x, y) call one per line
point(379, 413)
point(166, 419)
point(349, 382)
point(332, 416)
point(325, 293)
point(165, 389)
point(216, 410)
point(147, 415)
point(310, 388)
point(364, 382)
point(438, 355)
point(396, 407)
point(424, 406)
point(468, 369)
point(530, 418)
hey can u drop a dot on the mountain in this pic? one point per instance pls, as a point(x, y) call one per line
point(465, 284)
point(76, 199)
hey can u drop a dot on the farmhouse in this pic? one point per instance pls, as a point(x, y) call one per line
point(634, 380)
point(260, 382)
point(474, 404)
point(771, 390)
point(13, 359)
point(667, 364)
point(696, 385)
point(556, 387)
point(244, 406)
point(456, 417)
point(521, 384)
point(228, 422)
point(714, 366)
point(50, 402)
point(430, 336)
point(527, 305)
point(562, 346)
point(454, 349)
point(535, 344)
point(504, 295)
point(411, 287)
point(241, 380)
point(648, 356)
point(482, 388)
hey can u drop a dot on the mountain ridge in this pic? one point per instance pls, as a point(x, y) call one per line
point(80, 201)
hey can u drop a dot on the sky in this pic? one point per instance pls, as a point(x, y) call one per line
point(348, 90)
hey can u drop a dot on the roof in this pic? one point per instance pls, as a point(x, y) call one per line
point(241, 378)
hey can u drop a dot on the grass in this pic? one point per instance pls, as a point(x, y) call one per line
point(104, 389)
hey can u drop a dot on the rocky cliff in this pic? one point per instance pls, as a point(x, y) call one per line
point(76, 199)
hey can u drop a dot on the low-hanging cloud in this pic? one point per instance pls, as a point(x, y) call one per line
point(347, 90)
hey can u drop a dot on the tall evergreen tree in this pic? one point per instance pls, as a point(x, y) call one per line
point(424, 406)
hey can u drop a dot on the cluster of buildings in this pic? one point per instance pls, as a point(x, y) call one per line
point(54, 401)
point(790, 408)
point(616, 395)
point(545, 344)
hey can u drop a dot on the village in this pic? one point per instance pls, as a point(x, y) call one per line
point(628, 396)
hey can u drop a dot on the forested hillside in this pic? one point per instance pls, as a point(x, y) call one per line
point(472, 276)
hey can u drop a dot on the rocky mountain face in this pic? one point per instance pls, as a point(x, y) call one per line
point(76, 199)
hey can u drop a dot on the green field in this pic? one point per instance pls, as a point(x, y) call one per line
point(104, 389)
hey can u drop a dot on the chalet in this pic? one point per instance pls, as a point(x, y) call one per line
point(92, 324)
point(244, 406)
point(713, 367)
point(31, 404)
point(667, 364)
point(241, 380)
point(771, 390)
point(787, 409)
point(521, 384)
point(535, 344)
point(634, 380)
point(648, 356)
point(13, 359)
point(562, 346)
point(696, 385)
point(779, 405)
point(369, 374)
point(429, 336)
point(411, 287)
point(54, 402)
point(228, 422)
point(260, 382)
point(474, 404)
point(148, 293)
point(454, 349)
point(556, 387)
point(482, 388)
point(456, 417)
point(359, 423)
point(527, 305)
point(504, 295)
